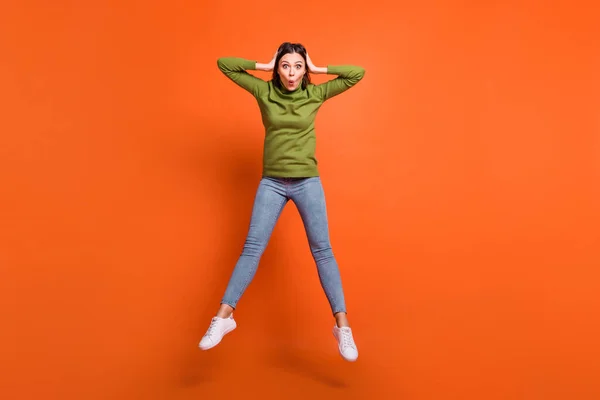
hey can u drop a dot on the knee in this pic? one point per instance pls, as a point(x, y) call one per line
point(321, 250)
point(253, 247)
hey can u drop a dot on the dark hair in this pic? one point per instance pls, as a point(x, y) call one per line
point(287, 48)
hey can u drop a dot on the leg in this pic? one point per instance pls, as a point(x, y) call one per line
point(269, 202)
point(309, 198)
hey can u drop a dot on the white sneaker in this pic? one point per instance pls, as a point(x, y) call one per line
point(218, 328)
point(346, 343)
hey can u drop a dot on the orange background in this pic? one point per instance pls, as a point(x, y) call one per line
point(462, 177)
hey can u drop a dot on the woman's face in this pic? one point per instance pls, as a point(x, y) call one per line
point(291, 70)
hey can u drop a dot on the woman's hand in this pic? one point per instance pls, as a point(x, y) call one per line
point(272, 62)
point(314, 69)
point(267, 67)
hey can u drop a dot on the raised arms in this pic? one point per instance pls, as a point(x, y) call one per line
point(236, 68)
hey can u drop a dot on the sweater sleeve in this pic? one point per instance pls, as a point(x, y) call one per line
point(348, 76)
point(236, 69)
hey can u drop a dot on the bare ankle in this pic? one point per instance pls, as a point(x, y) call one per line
point(341, 320)
point(224, 311)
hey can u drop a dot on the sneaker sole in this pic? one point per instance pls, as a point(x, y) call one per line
point(214, 344)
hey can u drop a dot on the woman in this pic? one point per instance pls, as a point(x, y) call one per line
point(288, 103)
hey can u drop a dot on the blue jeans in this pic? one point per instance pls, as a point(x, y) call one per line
point(271, 197)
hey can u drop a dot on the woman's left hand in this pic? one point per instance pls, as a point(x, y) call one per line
point(312, 68)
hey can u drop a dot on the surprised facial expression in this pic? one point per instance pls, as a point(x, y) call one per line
point(291, 70)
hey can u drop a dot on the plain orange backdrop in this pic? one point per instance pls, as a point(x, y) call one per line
point(462, 177)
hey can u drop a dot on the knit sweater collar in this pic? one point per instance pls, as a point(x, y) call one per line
point(283, 91)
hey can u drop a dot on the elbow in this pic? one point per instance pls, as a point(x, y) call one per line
point(221, 63)
point(226, 64)
point(360, 73)
point(357, 75)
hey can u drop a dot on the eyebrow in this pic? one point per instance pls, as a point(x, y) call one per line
point(297, 62)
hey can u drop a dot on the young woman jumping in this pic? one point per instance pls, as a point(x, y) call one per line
point(288, 103)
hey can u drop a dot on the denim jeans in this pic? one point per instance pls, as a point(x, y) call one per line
point(271, 197)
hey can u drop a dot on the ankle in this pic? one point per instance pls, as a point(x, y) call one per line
point(225, 311)
point(341, 320)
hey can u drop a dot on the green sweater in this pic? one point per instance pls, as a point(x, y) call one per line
point(289, 116)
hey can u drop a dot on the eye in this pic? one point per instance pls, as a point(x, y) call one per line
point(298, 66)
point(285, 66)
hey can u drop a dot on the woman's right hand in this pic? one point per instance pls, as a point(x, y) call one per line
point(267, 67)
point(271, 63)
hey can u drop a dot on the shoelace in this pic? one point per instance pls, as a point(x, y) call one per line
point(347, 339)
point(211, 328)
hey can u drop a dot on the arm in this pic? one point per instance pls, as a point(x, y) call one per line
point(236, 69)
point(348, 76)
